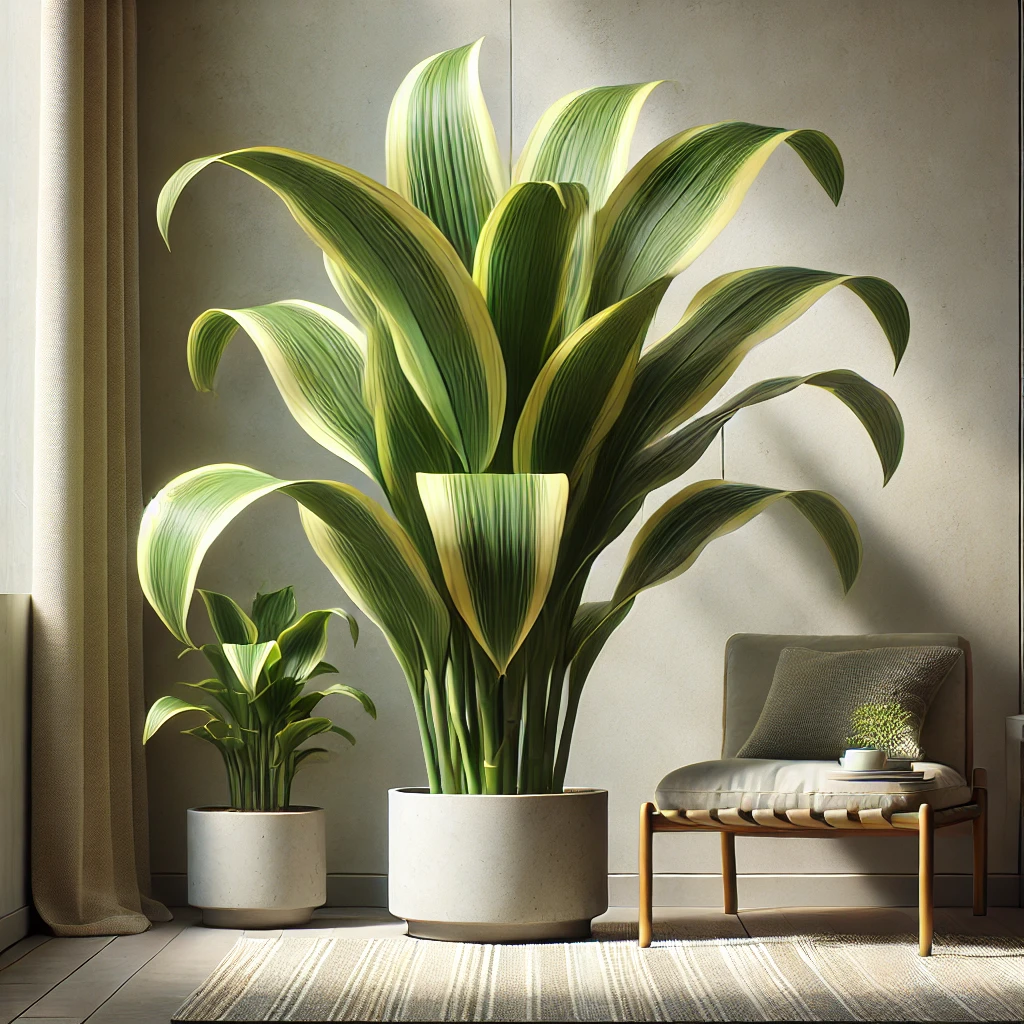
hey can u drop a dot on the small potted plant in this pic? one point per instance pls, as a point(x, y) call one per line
point(886, 727)
point(260, 862)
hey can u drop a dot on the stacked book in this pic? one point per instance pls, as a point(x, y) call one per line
point(884, 776)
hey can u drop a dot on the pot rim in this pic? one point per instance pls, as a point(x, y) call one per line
point(577, 791)
point(295, 809)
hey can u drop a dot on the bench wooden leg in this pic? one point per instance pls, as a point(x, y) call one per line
point(980, 829)
point(646, 873)
point(926, 879)
point(729, 871)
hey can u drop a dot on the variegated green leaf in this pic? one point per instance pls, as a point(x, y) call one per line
point(584, 137)
point(669, 458)
point(442, 333)
point(304, 644)
point(348, 691)
point(249, 660)
point(675, 535)
point(522, 266)
point(166, 708)
point(583, 387)
point(497, 536)
point(670, 206)
point(673, 538)
point(408, 440)
point(343, 733)
point(366, 550)
point(442, 154)
point(316, 358)
point(294, 734)
point(310, 755)
point(230, 624)
point(274, 612)
point(684, 370)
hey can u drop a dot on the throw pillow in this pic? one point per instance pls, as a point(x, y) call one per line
point(814, 695)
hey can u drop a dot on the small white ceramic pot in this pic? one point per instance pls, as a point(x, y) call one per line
point(256, 869)
point(498, 868)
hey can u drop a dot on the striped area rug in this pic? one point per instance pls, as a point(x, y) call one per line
point(828, 978)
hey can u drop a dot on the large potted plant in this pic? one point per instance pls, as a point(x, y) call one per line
point(260, 862)
point(497, 392)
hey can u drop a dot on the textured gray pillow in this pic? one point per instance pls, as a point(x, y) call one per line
point(813, 695)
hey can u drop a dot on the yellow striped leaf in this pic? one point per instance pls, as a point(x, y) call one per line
point(670, 206)
point(584, 137)
point(497, 536)
point(365, 549)
point(522, 266)
point(317, 359)
point(675, 535)
point(166, 708)
point(442, 333)
point(442, 154)
point(583, 387)
point(247, 661)
point(684, 370)
point(667, 459)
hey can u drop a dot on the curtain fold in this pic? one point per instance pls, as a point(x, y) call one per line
point(90, 847)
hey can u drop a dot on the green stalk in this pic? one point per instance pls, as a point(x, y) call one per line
point(456, 713)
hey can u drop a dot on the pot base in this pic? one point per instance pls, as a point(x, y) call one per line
point(488, 932)
point(223, 917)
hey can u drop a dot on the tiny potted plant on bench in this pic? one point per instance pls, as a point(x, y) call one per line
point(886, 727)
point(260, 862)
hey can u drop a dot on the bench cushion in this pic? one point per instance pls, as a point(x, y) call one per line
point(751, 783)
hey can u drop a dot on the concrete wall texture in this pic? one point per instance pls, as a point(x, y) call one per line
point(921, 98)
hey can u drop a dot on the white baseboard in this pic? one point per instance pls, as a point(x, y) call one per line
point(13, 927)
point(755, 891)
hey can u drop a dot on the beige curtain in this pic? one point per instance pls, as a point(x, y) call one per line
point(90, 849)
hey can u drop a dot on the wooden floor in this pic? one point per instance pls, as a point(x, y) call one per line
point(143, 979)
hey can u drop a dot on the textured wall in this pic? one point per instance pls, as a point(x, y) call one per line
point(921, 98)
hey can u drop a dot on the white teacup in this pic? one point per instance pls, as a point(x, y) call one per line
point(862, 759)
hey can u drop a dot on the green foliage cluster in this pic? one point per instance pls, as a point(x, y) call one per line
point(258, 712)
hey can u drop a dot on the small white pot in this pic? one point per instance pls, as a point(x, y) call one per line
point(256, 869)
point(498, 868)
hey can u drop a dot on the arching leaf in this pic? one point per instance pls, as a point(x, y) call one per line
point(443, 336)
point(304, 644)
point(667, 459)
point(365, 549)
point(684, 370)
point(670, 206)
point(316, 358)
point(166, 708)
point(442, 154)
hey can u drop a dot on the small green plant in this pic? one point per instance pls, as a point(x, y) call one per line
point(258, 716)
point(884, 726)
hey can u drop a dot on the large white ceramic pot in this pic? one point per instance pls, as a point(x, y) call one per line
point(256, 869)
point(498, 868)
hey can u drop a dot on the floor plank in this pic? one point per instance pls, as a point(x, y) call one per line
point(29, 978)
point(20, 948)
point(159, 988)
point(100, 977)
point(998, 921)
point(786, 921)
